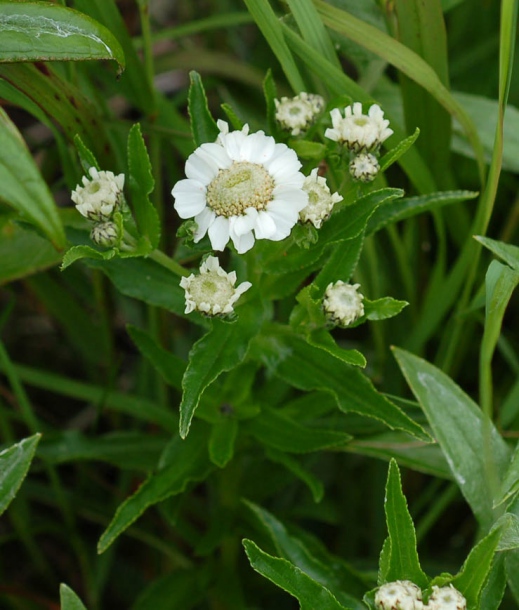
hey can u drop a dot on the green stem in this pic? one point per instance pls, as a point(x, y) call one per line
point(162, 259)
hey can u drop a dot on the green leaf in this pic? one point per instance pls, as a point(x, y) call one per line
point(222, 439)
point(285, 575)
point(203, 126)
point(40, 31)
point(270, 93)
point(510, 485)
point(323, 340)
point(506, 252)
point(171, 367)
point(457, 424)
point(384, 308)
point(77, 253)
point(313, 151)
point(86, 156)
point(182, 462)
point(294, 466)
point(395, 211)
point(14, 465)
point(179, 589)
point(275, 429)
point(307, 368)
point(23, 188)
point(221, 349)
point(141, 184)
point(400, 149)
point(68, 599)
point(403, 562)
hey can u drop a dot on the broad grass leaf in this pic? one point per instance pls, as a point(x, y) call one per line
point(14, 465)
point(403, 561)
point(182, 462)
point(39, 31)
point(310, 593)
point(23, 187)
point(308, 368)
point(457, 424)
point(203, 125)
point(69, 600)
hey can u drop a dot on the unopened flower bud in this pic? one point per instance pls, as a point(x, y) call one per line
point(105, 234)
point(297, 113)
point(399, 595)
point(446, 598)
point(342, 303)
point(99, 196)
point(320, 200)
point(357, 131)
point(364, 167)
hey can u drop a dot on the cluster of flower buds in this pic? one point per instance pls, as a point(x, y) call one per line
point(405, 595)
point(361, 134)
point(98, 200)
point(296, 114)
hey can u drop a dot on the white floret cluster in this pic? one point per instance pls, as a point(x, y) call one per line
point(405, 595)
point(296, 114)
point(342, 303)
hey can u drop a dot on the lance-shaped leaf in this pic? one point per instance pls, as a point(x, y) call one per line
point(23, 188)
point(457, 424)
point(41, 31)
point(402, 559)
point(203, 126)
point(14, 465)
point(310, 593)
point(69, 600)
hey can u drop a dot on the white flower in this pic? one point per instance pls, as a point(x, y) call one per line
point(446, 598)
point(364, 167)
point(241, 184)
point(320, 200)
point(105, 234)
point(212, 292)
point(99, 197)
point(399, 595)
point(296, 114)
point(342, 303)
point(357, 131)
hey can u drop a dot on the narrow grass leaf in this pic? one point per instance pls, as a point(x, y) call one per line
point(14, 465)
point(39, 31)
point(403, 562)
point(457, 424)
point(287, 576)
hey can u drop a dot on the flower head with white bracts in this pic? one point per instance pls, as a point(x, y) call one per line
point(357, 131)
point(99, 196)
point(296, 114)
point(342, 303)
point(320, 200)
point(364, 167)
point(446, 598)
point(242, 187)
point(212, 292)
point(399, 595)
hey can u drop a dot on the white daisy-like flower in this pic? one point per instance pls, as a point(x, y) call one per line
point(357, 131)
point(320, 200)
point(296, 114)
point(99, 196)
point(399, 595)
point(242, 187)
point(212, 292)
point(342, 303)
point(105, 234)
point(446, 598)
point(364, 167)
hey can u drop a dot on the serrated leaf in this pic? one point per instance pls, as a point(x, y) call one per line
point(384, 308)
point(234, 119)
point(400, 149)
point(23, 187)
point(69, 600)
point(86, 156)
point(220, 350)
point(457, 424)
point(403, 562)
point(141, 184)
point(182, 462)
point(14, 465)
point(506, 252)
point(221, 440)
point(40, 31)
point(77, 253)
point(308, 368)
point(323, 340)
point(203, 126)
point(274, 429)
point(285, 575)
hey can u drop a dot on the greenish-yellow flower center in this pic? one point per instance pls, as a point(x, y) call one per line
point(93, 187)
point(241, 186)
point(210, 288)
point(361, 121)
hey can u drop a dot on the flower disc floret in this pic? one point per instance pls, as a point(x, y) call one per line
point(357, 131)
point(399, 595)
point(296, 114)
point(320, 200)
point(446, 598)
point(342, 303)
point(242, 187)
point(99, 196)
point(212, 292)
point(364, 167)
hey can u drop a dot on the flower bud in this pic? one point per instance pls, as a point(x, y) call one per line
point(342, 303)
point(399, 595)
point(99, 197)
point(364, 167)
point(105, 234)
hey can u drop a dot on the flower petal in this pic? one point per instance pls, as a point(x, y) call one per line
point(204, 220)
point(219, 233)
point(265, 226)
point(243, 243)
point(190, 198)
point(244, 224)
point(258, 148)
point(200, 166)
